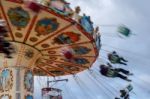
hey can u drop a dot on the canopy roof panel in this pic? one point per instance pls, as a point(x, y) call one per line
point(45, 35)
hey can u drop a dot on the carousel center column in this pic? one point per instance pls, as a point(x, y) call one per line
point(16, 74)
point(16, 83)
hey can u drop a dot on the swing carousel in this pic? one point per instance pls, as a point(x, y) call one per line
point(46, 42)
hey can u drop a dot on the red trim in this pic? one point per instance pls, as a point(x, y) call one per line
point(95, 50)
point(94, 57)
point(71, 64)
point(80, 66)
point(7, 21)
point(59, 68)
point(91, 39)
point(56, 14)
point(80, 56)
point(66, 45)
point(94, 47)
point(80, 28)
point(55, 33)
point(16, 1)
point(88, 35)
point(45, 71)
point(30, 27)
point(69, 20)
point(96, 53)
point(47, 9)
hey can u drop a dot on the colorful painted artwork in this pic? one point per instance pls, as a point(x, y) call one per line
point(67, 53)
point(29, 97)
point(67, 38)
point(46, 26)
point(29, 53)
point(57, 72)
point(80, 50)
point(80, 61)
point(39, 72)
point(5, 80)
point(28, 80)
point(18, 17)
point(5, 97)
point(20, 1)
point(38, 61)
point(67, 67)
point(86, 23)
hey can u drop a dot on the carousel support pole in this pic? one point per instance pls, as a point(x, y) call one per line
point(56, 81)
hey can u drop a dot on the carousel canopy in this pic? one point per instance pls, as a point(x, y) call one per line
point(40, 40)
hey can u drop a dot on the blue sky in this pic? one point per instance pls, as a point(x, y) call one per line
point(136, 15)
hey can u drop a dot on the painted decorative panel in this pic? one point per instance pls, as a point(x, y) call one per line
point(80, 50)
point(46, 26)
point(28, 81)
point(5, 97)
point(18, 17)
point(29, 54)
point(67, 38)
point(28, 97)
point(6, 80)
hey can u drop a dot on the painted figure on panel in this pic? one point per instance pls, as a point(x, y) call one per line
point(80, 61)
point(5, 80)
point(46, 26)
point(80, 50)
point(67, 38)
point(18, 17)
point(28, 80)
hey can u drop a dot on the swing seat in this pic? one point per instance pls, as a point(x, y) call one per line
point(124, 31)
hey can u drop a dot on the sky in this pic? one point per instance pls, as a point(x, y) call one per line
point(136, 15)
